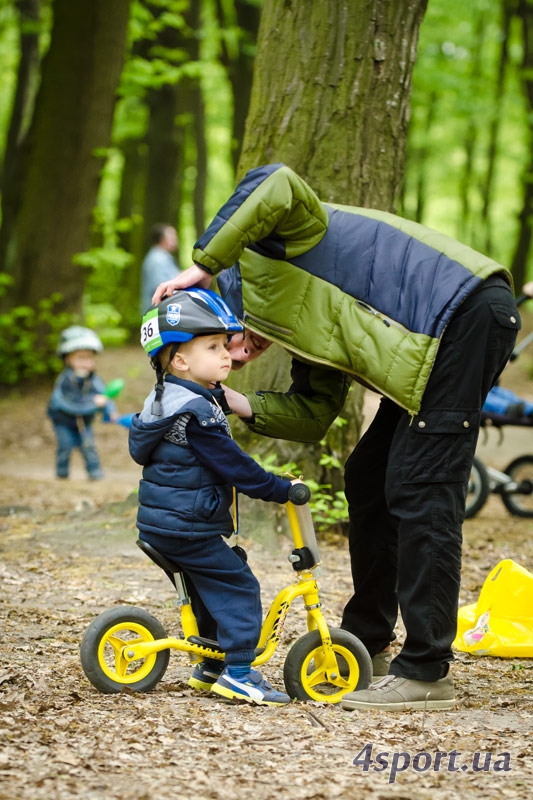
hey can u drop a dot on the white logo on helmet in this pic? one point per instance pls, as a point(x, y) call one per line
point(173, 313)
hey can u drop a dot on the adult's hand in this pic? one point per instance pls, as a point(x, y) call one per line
point(193, 276)
point(238, 402)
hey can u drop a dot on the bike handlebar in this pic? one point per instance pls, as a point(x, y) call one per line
point(299, 494)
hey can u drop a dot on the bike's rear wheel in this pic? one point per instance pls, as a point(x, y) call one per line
point(103, 647)
point(520, 503)
point(478, 488)
point(304, 672)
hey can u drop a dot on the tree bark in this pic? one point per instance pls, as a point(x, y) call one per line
point(525, 231)
point(239, 63)
point(466, 224)
point(60, 166)
point(495, 125)
point(331, 95)
point(21, 113)
point(164, 152)
point(27, 76)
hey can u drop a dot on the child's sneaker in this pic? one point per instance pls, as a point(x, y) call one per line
point(204, 676)
point(251, 688)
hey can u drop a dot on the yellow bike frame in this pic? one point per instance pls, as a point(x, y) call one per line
point(304, 586)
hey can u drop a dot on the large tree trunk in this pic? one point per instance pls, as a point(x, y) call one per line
point(175, 128)
point(495, 125)
point(59, 169)
point(165, 152)
point(27, 78)
point(238, 59)
point(331, 98)
point(525, 230)
point(331, 94)
point(468, 227)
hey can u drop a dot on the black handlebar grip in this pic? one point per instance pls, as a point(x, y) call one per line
point(299, 494)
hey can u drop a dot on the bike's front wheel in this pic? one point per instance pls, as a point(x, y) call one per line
point(520, 501)
point(478, 488)
point(104, 646)
point(305, 674)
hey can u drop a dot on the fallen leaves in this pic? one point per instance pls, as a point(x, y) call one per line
point(61, 739)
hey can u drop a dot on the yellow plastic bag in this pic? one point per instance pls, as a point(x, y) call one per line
point(501, 622)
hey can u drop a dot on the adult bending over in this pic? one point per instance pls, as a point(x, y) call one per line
point(359, 294)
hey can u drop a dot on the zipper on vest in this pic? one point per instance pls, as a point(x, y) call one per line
point(268, 325)
point(388, 321)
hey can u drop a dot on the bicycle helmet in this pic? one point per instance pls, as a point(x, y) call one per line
point(184, 315)
point(78, 338)
point(179, 318)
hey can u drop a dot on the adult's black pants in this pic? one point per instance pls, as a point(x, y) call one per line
point(406, 484)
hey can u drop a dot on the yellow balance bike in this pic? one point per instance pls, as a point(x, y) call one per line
point(127, 647)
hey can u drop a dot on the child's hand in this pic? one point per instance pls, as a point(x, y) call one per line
point(100, 400)
point(527, 288)
point(299, 493)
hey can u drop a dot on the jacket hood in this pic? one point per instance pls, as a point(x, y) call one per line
point(147, 430)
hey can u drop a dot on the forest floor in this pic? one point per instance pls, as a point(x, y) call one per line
point(68, 553)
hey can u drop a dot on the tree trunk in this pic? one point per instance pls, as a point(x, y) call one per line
point(23, 103)
point(163, 157)
point(525, 231)
point(175, 128)
point(494, 129)
point(60, 166)
point(130, 206)
point(331, 94)
point(239, 63)
point(27, 77)
point(191, 120)
point(330, 98)
point(422, 160)
point(467, 226)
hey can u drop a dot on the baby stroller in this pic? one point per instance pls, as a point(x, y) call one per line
point(515, 483)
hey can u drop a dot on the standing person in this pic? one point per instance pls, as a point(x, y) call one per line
point(159, 264)
point(190, 464)
point(360, 294)
point(77, 395)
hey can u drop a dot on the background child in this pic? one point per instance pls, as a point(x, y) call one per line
point(78, 394)
point(190, 464)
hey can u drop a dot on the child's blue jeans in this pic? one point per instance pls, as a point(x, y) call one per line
point(67, 439)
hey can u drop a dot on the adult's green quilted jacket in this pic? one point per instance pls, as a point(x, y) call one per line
point(362, 292)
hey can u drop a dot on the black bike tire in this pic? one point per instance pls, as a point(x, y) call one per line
point(99, 628)
point(508, 499)
point(482, 486)
point(294, 673)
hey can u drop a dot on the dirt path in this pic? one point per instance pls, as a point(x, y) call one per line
point(68, 553)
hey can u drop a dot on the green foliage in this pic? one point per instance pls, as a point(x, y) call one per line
point(105, 318)
point(329, 509)
point(149, 67)
point(28, 338)
point(454, 105)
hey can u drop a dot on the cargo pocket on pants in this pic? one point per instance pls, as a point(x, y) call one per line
point(440, 446)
